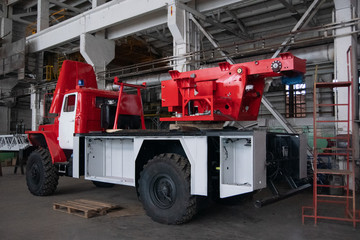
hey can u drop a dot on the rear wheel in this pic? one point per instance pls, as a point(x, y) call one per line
point(41, 175)
point(164, 189)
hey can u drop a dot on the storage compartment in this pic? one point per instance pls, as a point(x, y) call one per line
point(110, 160)
point(286, 153)
point(242, 168)
point(237, 161)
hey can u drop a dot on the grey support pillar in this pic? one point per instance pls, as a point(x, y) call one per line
point(6, 23)
point(5, 120)
point(186, 37)
point(5, 84)
point(345, 45)
point(6, 30)
point(98, 52)
point(42, 23)
point(43, 15)
point(35, 108)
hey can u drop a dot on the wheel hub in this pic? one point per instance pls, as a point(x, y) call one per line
point(35, 174)
point(163, 191)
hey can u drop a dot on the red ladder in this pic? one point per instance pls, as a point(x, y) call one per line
point(347, 199)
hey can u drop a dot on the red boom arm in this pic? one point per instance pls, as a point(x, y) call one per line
point(225, 93)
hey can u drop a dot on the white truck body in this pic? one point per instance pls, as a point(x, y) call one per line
point(112, 158)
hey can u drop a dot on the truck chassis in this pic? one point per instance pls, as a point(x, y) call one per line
point(169, 169)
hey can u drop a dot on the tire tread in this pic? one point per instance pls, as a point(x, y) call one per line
point(182, 164)
point(51, 176)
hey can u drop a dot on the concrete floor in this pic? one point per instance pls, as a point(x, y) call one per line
point(24, 216)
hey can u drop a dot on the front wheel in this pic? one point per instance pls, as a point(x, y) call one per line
point(41, 175)
point(164, 189)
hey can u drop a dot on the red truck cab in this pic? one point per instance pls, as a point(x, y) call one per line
point(82, 108)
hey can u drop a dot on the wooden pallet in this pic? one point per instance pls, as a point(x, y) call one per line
point(85, 208)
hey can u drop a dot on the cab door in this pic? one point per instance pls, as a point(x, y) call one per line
point(67, 121)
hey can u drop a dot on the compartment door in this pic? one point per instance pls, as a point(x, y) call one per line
point(242, 164)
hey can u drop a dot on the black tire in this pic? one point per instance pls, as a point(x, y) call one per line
point(164, 189)
point(103, 184)
point(41, 175)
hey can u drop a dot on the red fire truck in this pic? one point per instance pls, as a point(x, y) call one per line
point(168, 168)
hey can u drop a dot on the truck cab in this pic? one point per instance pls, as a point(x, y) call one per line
point(81, 112)
point(80, 107)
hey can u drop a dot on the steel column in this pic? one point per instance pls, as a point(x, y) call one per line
point(43, 15)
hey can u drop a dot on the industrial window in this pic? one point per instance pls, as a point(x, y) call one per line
point(69, 105)
point(295, 100)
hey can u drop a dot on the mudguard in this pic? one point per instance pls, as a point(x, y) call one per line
point(48, 140)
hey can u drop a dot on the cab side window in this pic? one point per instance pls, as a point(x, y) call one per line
point(69, 105)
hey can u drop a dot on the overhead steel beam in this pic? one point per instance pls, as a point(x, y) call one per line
point(308, 15)
point(213, 21)
point(120, 18)
point(32, 3)
point(18, 19)
point(67, 6)
point(151, 48)
point(10, 2)
point(212, 40)
point(240, 24)
point(291, 8)
point(110, 14)
point(283, 122)
point(76, 3)
point(143, 22)
point(157, 37)
point(209, 5)
point(27, 14)
point(304, 20)
point(29, 4)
